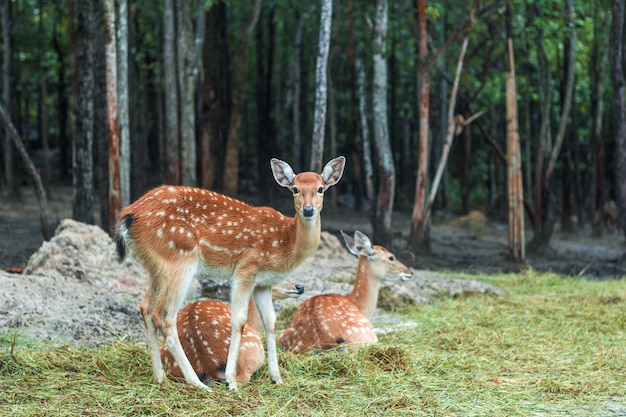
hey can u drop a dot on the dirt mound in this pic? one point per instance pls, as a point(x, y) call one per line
point(74, 290)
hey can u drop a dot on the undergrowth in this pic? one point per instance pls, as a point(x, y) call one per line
point(552, 346)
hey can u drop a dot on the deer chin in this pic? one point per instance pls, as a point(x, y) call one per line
point(309, 221)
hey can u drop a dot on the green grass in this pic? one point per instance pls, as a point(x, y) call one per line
point(551, 347)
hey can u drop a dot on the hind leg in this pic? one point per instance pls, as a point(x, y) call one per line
point(152, 338)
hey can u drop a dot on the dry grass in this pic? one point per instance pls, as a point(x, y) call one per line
point(551, 347)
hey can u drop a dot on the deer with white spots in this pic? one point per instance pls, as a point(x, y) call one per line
point(204, 329)
point(329, 320)
point(180, 233)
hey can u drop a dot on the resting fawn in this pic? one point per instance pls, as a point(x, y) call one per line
point(327, 320)
point(204, 329)
point(179, 233)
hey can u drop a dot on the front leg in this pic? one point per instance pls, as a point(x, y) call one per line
point(263, 301)
point(241, 292)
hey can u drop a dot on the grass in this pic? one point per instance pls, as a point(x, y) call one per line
point(552, 346)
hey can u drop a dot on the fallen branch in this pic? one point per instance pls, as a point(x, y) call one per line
point(30, 167)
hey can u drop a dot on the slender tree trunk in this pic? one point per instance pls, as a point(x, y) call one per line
point(185, 77)
point(123, 100)
point(365, 137)
point(544, 219)
point(62, 98)
point(619, 106)
point(319, 117)
point(215, 19)
point(569, 91)
point(514, 158)
point(100, 117)
point(84, 116)
point(597, 100)
point(267, 132)
point(9, 167)
point(386, 171)
point(114, 194)
point(231, 168)
point(355, 149)
point(455, 125)
point(419, 238)
point(172, 169)
point(296, 101)
point(43, 93)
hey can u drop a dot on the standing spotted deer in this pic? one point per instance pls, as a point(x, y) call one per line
point(180, 233)
point(328, 320)
point(204, 329)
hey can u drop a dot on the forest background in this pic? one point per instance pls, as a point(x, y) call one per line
point(116, 96)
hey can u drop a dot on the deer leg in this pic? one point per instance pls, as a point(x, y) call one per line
point(241, 291)
point(171, 296)
point(263, 300)
point(152, 338)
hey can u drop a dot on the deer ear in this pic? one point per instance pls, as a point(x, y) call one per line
point(362, 244)
point(283, 174)
point(333, 170)
point(350, 244)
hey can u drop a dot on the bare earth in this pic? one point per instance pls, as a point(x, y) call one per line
point(73, 289)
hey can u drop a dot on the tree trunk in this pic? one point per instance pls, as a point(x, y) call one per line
point(419, 239)
point(231, 168)
point(123, 100)
point(353, 123)
point(319, 117)
point(514, 158)
point(386, 171)
point(172, 169)
point(42, 108)
point(82, 209)
point(266, 126)
point(62, 99)
point(185, 77)
point(455, 126)
point(619, 106)
point(215, 96)
point(543, 222)
point(113, 147)
point(597, 105)
point(295, 72)
point(365, 138)
point(9, 167)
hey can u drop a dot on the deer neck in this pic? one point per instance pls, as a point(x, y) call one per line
point(303, 238)
point(365, 291)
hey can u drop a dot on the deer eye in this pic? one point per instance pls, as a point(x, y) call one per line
point(296, 190)
point(320, 190)
point(392, 258)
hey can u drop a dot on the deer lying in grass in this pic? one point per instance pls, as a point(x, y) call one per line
point(179, 233)
point(328, 320)
point(204, 329)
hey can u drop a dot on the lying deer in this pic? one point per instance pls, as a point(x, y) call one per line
point(204, 329)
point(327, 320)
point(179, 233)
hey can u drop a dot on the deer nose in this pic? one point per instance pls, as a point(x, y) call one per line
point(308, 211)
point(299, 288)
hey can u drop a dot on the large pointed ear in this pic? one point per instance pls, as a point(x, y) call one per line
point(283, 174)
point(333, 170)
point(350, 244)
point(362, 244)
